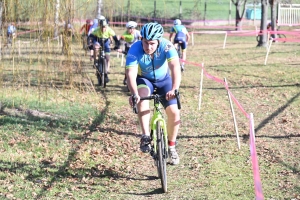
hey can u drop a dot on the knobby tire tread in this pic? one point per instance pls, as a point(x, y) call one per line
point(161, 158)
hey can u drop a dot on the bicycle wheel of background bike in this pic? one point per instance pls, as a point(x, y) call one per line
point(257, 38)
point(161, 153)
point(282, 38)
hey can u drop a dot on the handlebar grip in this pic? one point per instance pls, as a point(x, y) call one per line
point(134, 104)
point(178, 99)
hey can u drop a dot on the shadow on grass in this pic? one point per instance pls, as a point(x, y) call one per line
point(63, 169)
point(256, 86)
point(277, 112)
point(36, 173)
point(156, 191)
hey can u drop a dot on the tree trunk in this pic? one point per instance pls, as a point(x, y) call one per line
point(273, 4)
point(1, 12)
point(263, 39)
point(239, 13)
point(99, 5)
point(56, 18)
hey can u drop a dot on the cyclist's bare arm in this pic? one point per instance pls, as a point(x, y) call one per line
point(174, 66)
point(131, 74)
point(171, 35)
point(188, 37)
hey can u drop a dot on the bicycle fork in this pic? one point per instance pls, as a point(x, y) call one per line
point(162, 122)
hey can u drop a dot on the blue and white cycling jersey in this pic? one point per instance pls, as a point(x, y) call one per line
point(180, 32)
point(11, 29)
point(93, 27)
point(155, 69)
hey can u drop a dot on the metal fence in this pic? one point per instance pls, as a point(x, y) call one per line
point(171, 9)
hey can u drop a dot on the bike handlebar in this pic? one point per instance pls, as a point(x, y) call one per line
point(155, 97)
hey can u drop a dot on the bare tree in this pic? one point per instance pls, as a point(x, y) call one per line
point(56, 18)
point(263, 39)
point(1, 11)
point(240, 6)
point(99, 6)
point(273, 4)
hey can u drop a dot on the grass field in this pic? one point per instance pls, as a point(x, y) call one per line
point(61, 137)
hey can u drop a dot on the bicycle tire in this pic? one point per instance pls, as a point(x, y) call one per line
point(161, 152)
point(282, 37)
point(103, 73)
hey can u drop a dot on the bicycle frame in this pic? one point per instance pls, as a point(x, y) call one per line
point(158, 117)
point(101, 63)
point(159, 151)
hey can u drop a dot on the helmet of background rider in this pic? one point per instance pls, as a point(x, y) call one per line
point(131, 24)
point(102, 23)
point(177, 22)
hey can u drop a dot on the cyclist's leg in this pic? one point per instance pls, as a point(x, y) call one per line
point(107, 55)
point(183, 48)
point(171, 108)
point(173, 114)
point(145, 88)
point(9, 38)
point(91, 47)
point(125, 52)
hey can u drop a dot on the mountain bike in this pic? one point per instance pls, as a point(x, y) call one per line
point(100, 63)
point(86, 41)
point(159, 135)
point(281, 36)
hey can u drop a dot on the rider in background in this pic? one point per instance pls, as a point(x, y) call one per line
point(90, 39)
point(104, 31)
point(181, 38)
point(86, 27)
point(130, 36)
point(11, 32)
point(153, 63)
point(84, 30)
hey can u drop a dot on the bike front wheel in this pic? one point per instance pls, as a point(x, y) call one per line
point(101, 64)
point(162, 156)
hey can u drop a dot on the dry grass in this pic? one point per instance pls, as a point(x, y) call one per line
point(84, 144)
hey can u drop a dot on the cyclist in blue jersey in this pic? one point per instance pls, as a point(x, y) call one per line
point(11, 32)
point(181, 38)
point(153, 63)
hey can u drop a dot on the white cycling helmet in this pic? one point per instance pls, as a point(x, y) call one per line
point(102, 23)
point(100, 17)
point(177, 22)
point(131, 24)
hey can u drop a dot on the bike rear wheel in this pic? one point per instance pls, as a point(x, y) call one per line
point(282, 38)
point(161, 156)
point(103, 73)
